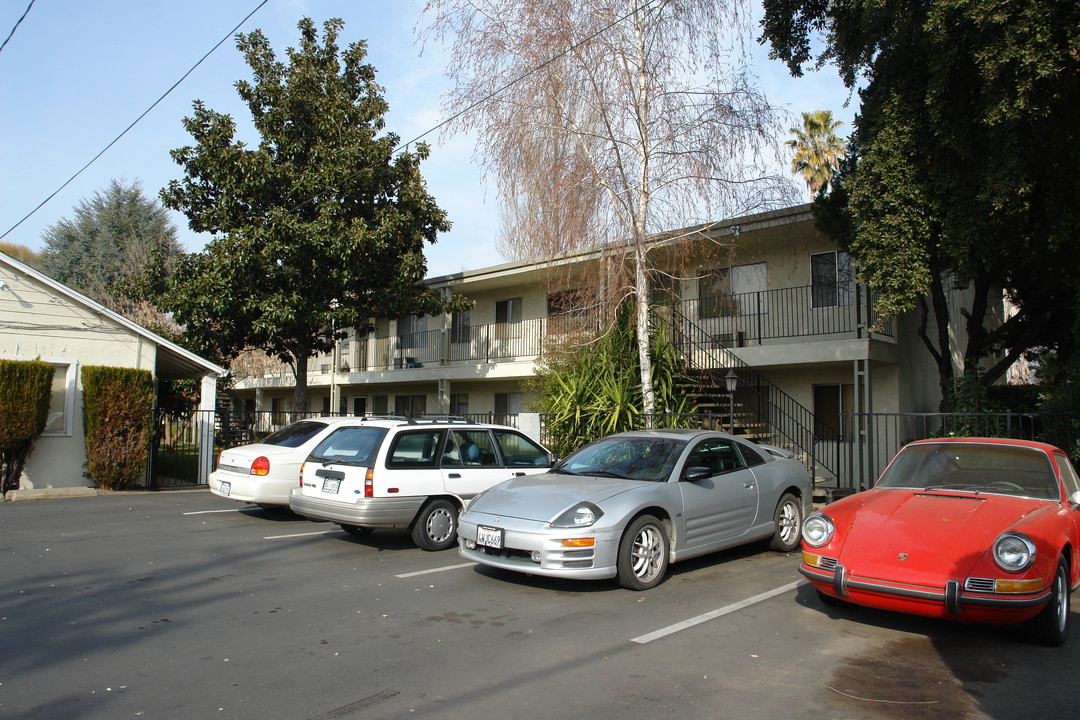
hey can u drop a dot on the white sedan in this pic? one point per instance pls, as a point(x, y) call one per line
point(265, 472)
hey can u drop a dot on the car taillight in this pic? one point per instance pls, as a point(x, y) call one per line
point(218, 464)
point(300, 478)
point(261, 466)
point(369, 483)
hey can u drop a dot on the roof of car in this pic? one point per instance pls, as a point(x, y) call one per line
point(1046, 447)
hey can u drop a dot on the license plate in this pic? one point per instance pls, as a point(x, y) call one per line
point(226, 488)
point(331, 485)
point(489, 537)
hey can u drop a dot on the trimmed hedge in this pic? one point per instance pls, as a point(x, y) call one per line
point(117, 404)
point(25, 388)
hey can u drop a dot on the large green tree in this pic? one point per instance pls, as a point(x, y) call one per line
point(962, 166)
point(104, 249)
point(318, 229)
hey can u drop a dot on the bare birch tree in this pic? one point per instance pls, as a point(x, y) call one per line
point(605, 122)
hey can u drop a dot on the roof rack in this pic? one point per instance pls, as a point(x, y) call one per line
point(427, 419)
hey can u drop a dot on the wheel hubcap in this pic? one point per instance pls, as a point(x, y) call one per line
point(647, 554)
point(789, 523)
point(440, 525)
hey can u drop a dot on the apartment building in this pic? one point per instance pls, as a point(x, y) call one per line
point(779, 336)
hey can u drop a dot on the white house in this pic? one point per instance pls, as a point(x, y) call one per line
point(41, 318)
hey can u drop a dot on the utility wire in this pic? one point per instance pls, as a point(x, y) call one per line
point(17, 23)
point(136, 121)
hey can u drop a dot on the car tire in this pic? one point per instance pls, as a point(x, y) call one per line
point(787, 524)
point(354, 530)
point(643, 554)
point(435, 527)
point(1051, 625)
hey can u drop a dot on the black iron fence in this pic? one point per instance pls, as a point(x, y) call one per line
point(869, 440)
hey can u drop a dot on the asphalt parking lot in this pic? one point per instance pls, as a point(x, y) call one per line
point(186, 605)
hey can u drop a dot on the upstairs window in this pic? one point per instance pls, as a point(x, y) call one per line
point(831, 279)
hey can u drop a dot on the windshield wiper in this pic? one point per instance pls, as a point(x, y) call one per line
point(563, 471)
point(608, 473)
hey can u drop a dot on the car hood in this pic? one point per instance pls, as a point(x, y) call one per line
point(542, 497)
point(921, 536)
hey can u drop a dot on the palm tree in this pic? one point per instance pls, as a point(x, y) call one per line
point(817, 149)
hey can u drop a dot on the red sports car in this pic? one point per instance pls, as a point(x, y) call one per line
point(969, 529)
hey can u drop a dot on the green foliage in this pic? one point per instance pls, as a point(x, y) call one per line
point(113, 237)
point(321, 226)
point(24, 409)
point(21, 253)
point(117, 422)
point(594, 389)
point(816, 150)
point(964, 153)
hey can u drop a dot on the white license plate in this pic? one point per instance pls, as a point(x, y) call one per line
point(489, 537)
point(331, 485)
point(226, 488)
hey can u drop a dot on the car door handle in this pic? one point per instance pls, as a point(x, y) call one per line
point(454, 476)
point(749, 485)
point(519, 474)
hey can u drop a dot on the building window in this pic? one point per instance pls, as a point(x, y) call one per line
point(277, 411)
point(567, 311)
point(380, 404)
point(461, 326)
point(831, 279)
point(412, 331)
point(459, 404)
point(410, 405)
point(359, 406)
point(830, 402)
point(714, 294)
point(508, 318)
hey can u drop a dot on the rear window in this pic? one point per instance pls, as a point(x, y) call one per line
point(350, 445)
point(296, 434)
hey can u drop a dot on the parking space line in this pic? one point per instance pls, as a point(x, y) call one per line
point(208, 512)
point(671, 629)
point(435, 570)
point(292, 535)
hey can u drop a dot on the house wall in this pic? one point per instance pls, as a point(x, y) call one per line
point(36, 322)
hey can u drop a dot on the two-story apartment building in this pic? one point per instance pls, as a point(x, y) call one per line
point(773, 306)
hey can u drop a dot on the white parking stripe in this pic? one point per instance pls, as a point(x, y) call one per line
point(278, 537)
point(671, 629)
point(435, 570)
point(208, 512)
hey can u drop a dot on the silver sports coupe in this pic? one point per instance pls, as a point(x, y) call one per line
point(627, 505)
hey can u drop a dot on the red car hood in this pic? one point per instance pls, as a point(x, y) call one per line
point(927, 538)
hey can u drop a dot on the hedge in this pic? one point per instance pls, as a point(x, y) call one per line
point(25, 388)
point(117, 405)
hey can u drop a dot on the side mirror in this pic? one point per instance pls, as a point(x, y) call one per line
point(695, 473)
point(1074, 499)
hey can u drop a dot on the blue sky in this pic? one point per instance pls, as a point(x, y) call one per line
point(75, 74)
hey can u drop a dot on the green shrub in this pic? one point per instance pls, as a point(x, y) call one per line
point(25, 387)
point(117, 423)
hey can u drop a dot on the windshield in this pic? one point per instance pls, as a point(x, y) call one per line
point(634, 458)
point(294, 435)
point(978, 467)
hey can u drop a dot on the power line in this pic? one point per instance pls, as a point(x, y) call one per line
point(134, 122)
point(17, 23)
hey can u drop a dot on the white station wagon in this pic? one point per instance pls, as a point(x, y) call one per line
point(401, 473)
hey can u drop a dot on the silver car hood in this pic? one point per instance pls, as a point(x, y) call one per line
point(542, 497)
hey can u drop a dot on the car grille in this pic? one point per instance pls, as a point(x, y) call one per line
point(983, 585)
point(827, 563)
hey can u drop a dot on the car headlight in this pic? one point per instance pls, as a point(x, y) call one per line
point(581, 515)
point(1014, 552)
point(818, 530)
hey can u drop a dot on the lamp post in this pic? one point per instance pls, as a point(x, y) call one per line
point(731, 381)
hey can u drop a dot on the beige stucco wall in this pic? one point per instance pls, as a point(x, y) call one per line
point(36, 322)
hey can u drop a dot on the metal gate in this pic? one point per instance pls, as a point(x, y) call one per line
point(182, 449)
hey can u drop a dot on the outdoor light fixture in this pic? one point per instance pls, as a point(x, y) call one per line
point(731, 381)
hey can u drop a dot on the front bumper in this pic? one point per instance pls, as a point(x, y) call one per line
point(365, 512)
point(521, 538)
point(950, 600)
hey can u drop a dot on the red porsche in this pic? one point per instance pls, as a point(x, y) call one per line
point(971, 529)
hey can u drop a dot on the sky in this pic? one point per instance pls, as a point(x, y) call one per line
point(75, 74)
